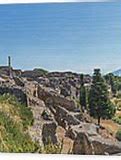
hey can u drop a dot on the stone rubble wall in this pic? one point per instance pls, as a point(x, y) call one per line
point(16, 91)
point(62, 110)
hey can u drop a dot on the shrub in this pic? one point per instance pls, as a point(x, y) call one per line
point(119, 106)
point(119, 95)
point(51, 148)
point(25, 112)
point(118, 134)
point(40, 71)
point(117, 102)
point(117, 119)
point(14, 136)
point(15, 140)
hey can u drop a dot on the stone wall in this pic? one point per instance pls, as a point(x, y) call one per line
point(50, 96)
point(89, 142)
point(49, 133)
point(16, 91)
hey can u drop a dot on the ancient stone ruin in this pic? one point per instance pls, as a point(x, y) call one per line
point(53, 101)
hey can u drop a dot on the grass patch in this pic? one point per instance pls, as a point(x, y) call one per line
point(118, 134)
point(117, 119)
point(13, 133)
point(51, 148)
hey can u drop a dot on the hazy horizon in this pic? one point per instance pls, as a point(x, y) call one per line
point(74, 37)
point(65, 70)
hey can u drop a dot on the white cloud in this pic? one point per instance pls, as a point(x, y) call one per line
point(45, 1)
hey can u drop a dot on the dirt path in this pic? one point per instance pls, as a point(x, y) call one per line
point(118, 113)
point(111, 126)
point(35, 130)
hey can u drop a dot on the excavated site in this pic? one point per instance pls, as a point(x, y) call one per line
point(53, 99)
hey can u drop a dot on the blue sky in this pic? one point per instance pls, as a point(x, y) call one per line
point(61, 37)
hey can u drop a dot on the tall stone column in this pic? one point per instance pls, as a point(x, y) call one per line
point(10, 67)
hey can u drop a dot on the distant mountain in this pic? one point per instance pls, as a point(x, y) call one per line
point(117, 72)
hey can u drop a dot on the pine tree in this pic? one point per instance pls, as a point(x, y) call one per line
point(82, 93)
point(99, 103)
point(111, 81)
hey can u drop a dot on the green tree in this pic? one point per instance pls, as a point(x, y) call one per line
point(82, 93)
point(110, 79)
point(99, 103)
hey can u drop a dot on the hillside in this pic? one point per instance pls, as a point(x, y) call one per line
point(43, 114)
point(15, 118)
